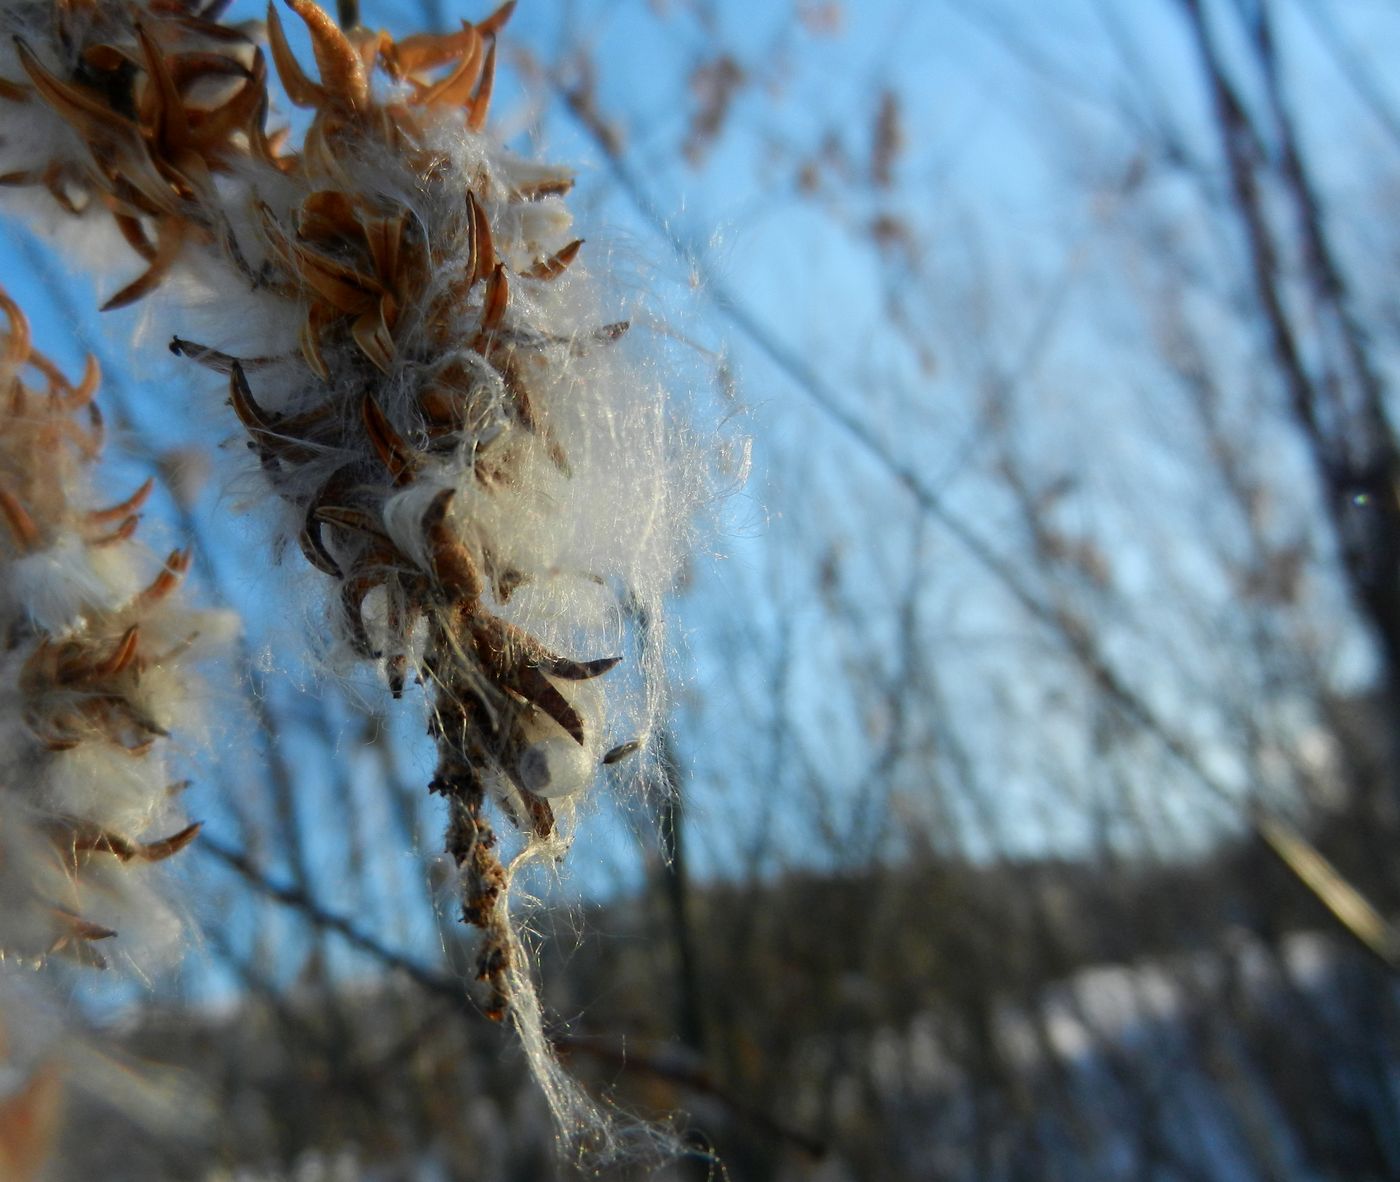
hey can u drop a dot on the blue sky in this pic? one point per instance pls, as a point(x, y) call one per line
point(1018, 119)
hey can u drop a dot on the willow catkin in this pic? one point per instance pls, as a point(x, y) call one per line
point(482, 473)
point(94, 678)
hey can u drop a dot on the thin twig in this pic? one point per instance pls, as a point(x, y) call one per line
point(300, 900)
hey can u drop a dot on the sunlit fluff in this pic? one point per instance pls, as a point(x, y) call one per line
point(467, 450)
point(92, 681)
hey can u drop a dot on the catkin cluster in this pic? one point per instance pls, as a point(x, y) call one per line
point(92, 679)
point(468, 454)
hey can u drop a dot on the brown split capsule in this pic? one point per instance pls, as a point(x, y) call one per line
point(493, 308)
point(176, 564)
point(342, 70)
point(455, 88)
point(401, 461)
point(480, 104)
point(483, 249)
point(89, 839)
point(557, 263)
point(122, 509)
point(170, 239)
point(122, 655)
point(23, 529)
point(453, 566)
point(122, 533)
